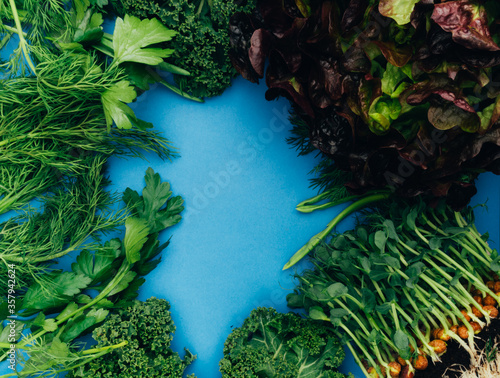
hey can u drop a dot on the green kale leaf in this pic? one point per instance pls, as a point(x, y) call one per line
point(202, 43)
point(271, 344)
point(142, 324)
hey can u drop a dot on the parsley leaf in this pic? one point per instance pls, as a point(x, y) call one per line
point(136, 235)
point(115, 108)
point(63, 286)
point(154, 196)
point(131, 35)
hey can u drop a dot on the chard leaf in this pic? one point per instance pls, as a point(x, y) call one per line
point(136, 234)
point(131, 35)
point(399, 10)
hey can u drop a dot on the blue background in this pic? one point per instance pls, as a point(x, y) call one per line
point(241, 183)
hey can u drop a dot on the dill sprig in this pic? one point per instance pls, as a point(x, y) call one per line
point(53, 124)
point(327, 178)
point(74, 216)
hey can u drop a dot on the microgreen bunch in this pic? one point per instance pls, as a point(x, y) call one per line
point(404, 281)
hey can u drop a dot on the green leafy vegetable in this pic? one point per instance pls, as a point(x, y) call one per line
point(270, 344)
point(397, 95)
point(398, 10)
point(136, 234)
point(147, 328)
point(115, 270)
point(72, 217)
point(407, 279)
point(202, 43)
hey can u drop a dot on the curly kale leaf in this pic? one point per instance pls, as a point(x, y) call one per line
point(202, 43)
point(271, 344)
point(148, 329)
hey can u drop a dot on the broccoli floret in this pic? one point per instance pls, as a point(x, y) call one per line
point(148, 328)
point(202, 43)
point(272, 344)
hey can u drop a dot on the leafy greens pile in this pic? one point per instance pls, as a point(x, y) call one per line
point(202, 43)
point(271, 344)
point(65, 93)
point(65, 308)
point(147, 328)
point(69, 219)
point(400, 285)
point(402, 95)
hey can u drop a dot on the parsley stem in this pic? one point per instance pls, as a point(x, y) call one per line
point(124, 269)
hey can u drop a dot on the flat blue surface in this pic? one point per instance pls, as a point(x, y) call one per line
point(241, 183)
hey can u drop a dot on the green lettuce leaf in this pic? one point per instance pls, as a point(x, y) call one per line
point(398, 10)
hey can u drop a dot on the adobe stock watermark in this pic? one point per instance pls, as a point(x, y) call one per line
point(247, 151)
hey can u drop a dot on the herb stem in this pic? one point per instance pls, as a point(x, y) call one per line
point(20, 33)
point(315, 240)
point(116, 280)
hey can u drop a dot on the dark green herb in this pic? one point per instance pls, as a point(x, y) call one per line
point(202, 45)
point(72, 217)
point(64, 92)
point(271, 344)
point(142, 324)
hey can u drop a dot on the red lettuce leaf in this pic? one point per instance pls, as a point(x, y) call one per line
point(466, 22)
